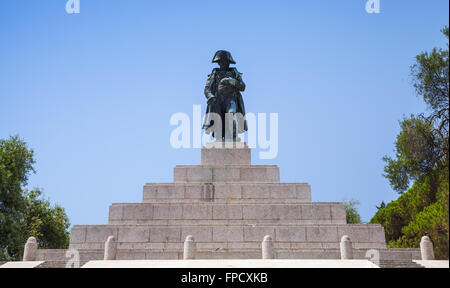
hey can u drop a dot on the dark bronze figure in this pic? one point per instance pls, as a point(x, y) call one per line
point(222, 92)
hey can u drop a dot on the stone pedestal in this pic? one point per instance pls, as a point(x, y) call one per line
point(220, 155)
point(228, 206)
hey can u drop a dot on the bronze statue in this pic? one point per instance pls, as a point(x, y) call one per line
point(223, 93)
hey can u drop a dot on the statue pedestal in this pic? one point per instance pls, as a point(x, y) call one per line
point(226, 144)
point(228, 205)
point(219, 154)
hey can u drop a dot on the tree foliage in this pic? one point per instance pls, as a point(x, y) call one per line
point(414, 214)
point(430, 74)
point(351, 212)
point(422, 158)
point(416, 153)
point(422, 144)
point(48, 224)
point(24, 213)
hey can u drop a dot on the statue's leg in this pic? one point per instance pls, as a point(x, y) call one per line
point(230, 123)
point(223, 117)
point(216, 126)
point(220, 129)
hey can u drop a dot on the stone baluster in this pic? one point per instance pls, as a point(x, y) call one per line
point(189, 248)
point(346, 248)
point(267, 248)
point(30, 251)
point(426, 248)
point(110, 248)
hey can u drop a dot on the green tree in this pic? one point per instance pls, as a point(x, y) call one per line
point(412, 216)
point(416, 153)
point(351, 212)
point(422, 144)
point(16, 162)
point(49, 224)
point(431, 80)
point(22, 213)
point(422, 158)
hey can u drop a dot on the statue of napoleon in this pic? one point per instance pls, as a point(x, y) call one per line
point(225, 114)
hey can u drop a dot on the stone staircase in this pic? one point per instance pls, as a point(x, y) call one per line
point(397, 264)
point(228, 205)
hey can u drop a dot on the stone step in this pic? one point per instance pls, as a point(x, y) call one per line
point(226, 174)
point(398, 254)
point(310, 213)
point(226, 192)
point(155, 254)
point(397, 264)
point(229, 222)
point(56, 264)
point(228, 246)
point(138, 254)
point(56, 258)
point(405, 256)
point(144, 236)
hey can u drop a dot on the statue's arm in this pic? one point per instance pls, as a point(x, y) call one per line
point(240, 85)
point(237, 82)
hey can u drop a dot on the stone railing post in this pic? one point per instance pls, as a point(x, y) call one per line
point(267, 248)
point(30, 251)
point(189, 248)
point(346, 248)
point(426, 248)
point(110, 249)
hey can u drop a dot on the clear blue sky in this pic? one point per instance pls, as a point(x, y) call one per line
point(93, 93)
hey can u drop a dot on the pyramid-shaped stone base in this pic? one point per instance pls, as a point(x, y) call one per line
point(228, 205)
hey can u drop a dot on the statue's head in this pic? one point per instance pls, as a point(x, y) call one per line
point(223, 58)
